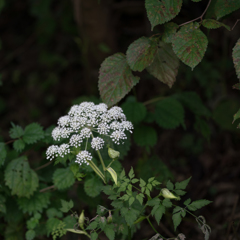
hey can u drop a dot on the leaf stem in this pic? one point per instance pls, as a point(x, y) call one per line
point(43, 166)
point(200, 17)
point(97, 171)
point(153, 227)
point(153, 100)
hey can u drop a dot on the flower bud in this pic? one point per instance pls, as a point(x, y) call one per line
point(109, 218)
point(81, 220)
point(167, 194)
point(112, 153)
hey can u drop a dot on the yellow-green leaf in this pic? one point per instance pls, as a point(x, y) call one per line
point(113, 174)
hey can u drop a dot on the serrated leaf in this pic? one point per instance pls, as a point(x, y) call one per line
point(183, 213)
point(92, 225)
point(182, 185)
point(180, 192)
point(135, 180)
point(169, 31)
point(66, 205)
point(169, 113)
point(145, 136)
point(159, 12)
point(110, 233)
point(159, 213)
point(214, 24)
point(30, 234)
point(3, 153)
point(177, 209)
point(63, 178)
point(198, 204)
point(20, 178)
point(134, 111)
point(224, 7)
point(139, 198)
point(32, 133)
point(165, 64)
point(93, 186)
point(19, 145)
point(236, 57)
point(53, 212)
point(140, 53)
point(36, 203)
point(153, 202)
point(131, 200)
point(94, 236)
point(167, 203)
point(52, 223)
point(236, 116)
point(125, 197)
point(187, 201)
point(169, 185)
point(16, 131)
point(177, 218)
point(142, 183)
point(131, 173)
point(130, 214)
point(115, 79)
point(190, 44)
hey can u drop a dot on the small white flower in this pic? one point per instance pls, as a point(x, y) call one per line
point(52, 152)
point(97, 143)
point(63, 150)
point(74, 110)
point(75, 140)
point(83, 156)
point(65, 132)
point(57, 133)
point(102, 107)
point(117, 135)
point(126, 125)
point(103, 128)
point(86, 133)
point(115, 112)
point(115, 125)
point(63, 121)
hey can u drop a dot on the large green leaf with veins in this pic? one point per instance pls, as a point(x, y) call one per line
point(165, 64)
point(159, 12)
point(115, 79)
point(20, 178)
point(224, 7)
point(236, 57)
point(190, 44)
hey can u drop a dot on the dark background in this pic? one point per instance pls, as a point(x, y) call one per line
point(50, 55)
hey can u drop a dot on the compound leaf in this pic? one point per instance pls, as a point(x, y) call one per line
point(19, 145)
point(214, 24)
point(159, 213)
point(165, 64)
point(20, 178)
point(170, 30)
point(115, 79)
point(198, 204)
point(182, 185)
point(190, 44)
point(176, 219)
point(236, 58)
point(140, 53)
point(130, 215)
point(36, 203)
point(66, 206)
point(3, 153)
point(16, 131)
point(93, 186)
point(32, 133)
point(169, 113)
point(159, 12)
point(145, 136)
point(110, 233)
point(224, 7)
point(63, 178)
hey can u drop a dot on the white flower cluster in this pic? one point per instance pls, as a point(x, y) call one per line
point(80, 124)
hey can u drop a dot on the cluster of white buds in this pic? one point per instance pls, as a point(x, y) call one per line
point(82, 122)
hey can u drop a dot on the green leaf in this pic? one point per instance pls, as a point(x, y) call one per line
point(153, 202)
point(236, 116)
point(30, 234)
point(213, 24)
point(180, 192)
point(130, 214)
point(140, 53)
point(3, 153)
point(169, 113)
point(177, 209)
point(20, 178)
point(159, 12)
point(167, 203)
point(198, 204)
point(135, 180)
point(176, 219)
point(125, 197)
point(2, 204)
point(190, 44)
point(187, 201)
point(63, 178)
point(66, 206)
point(202, 127)
point(131, 200)
point(236, 57)
point(32, 133)
point(2, 4)
point(139, 197)
point(169, 185)
point(110, 233)
point(52, 223)
point(19, 145)
point(165, 64)
point(182, 185)
point(224, 7)
point(53, 212)
point(93, 186)
point(16, 131)
point(94, 236)
point(142, 183)
point(131, 173)
point(170, 30)
point(92, 225)
point(145, 136)
point(36, 203)
point(159, 213)
point(115, 79)
point(113, 174)
point(134, 111)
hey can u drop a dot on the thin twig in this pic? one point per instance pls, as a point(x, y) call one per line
point(200, 17)
point(47, 188)
point(235, 24)
point(43, 166)
point(6, 143)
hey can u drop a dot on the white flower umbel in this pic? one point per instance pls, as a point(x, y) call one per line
point(83, 156)
point(85, 121)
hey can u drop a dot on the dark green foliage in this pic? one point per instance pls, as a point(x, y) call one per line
point(213, 24)
point(236, 58)
point(224, 7)
point(63, 178)
point(169, 31)
point(3, 153)
point(93, 186)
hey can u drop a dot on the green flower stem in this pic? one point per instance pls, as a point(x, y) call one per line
point(97, 171)
point(153, 226)
point(110, 163)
